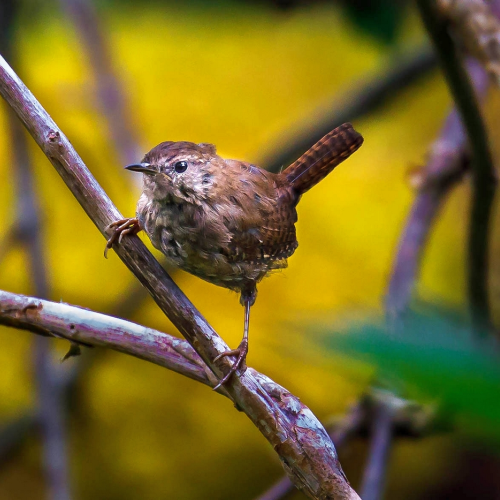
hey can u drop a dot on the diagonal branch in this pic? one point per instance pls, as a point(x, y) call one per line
point(303, 445)
point(343, 431)
point(368, 96)
point(28, 231)
point(83, 15)
point(483, 172)
point(448, 161)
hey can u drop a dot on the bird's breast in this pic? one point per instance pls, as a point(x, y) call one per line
point(221, 242)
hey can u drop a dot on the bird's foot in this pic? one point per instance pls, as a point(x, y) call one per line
point(121, 227)
point(240, 362)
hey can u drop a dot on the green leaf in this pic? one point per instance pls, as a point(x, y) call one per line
point(434, 359)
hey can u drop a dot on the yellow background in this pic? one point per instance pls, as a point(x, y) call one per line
point(244, 79)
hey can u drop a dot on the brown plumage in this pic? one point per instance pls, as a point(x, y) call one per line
point(227, 221)
point(317, 162)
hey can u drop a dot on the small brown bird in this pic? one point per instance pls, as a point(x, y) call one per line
point(227, 221)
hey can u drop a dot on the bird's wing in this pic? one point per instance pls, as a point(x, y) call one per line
point(266, 232)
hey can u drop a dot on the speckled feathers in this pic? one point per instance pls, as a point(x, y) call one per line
point(227, 221)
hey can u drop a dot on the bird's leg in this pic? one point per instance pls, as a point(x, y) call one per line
point(122, 228)
point(247, 299)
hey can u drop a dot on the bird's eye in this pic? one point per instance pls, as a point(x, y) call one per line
point(181, 166)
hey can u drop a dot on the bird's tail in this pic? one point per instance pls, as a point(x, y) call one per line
point(318, 161)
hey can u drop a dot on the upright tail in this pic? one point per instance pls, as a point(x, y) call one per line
point(318, 161)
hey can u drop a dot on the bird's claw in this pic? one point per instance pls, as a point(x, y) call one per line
point(241, 352)
point(122, 228)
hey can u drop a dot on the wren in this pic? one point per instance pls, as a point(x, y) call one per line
point(228, 222)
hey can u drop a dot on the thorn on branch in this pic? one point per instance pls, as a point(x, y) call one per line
point(73, 351)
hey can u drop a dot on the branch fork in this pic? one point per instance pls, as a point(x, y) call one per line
point(298, 437)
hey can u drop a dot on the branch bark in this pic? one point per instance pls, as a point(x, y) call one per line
point(449, 160)
point(304, 447)
point(376, 469)
point(51, 409)
point(478, 29)
point(345, 430)
point(483, 172)
point(92, 328)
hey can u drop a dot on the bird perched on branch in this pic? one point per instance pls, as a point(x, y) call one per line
point(228, 222)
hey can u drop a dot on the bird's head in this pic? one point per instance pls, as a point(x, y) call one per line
point(180, 171)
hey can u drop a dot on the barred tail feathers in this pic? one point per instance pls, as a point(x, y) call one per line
point(318, 161)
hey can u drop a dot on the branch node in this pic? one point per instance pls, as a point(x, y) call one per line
point(54, 136)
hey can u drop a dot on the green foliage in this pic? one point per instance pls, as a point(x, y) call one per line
point(435, 358)
point(380, 19)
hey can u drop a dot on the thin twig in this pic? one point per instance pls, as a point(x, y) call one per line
point(448, 161)
point(297, 436)
point(375, 471)
point(51, 409)
point(27, 229)
point(372, 94)
point(110, 94)
point(483, 172)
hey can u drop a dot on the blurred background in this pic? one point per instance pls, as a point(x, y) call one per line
point(263, 80)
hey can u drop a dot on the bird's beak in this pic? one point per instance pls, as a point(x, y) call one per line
point(144, 168)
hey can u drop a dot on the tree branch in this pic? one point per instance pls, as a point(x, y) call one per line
point(448, 162)
point(478, 29)
point(340, 433)
point(382, 434)
point(367, 97)
point(110, 96)
point(28, 230)
point(303, 445)
point(14, 433)
point(483, 172)
point(92, 328)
